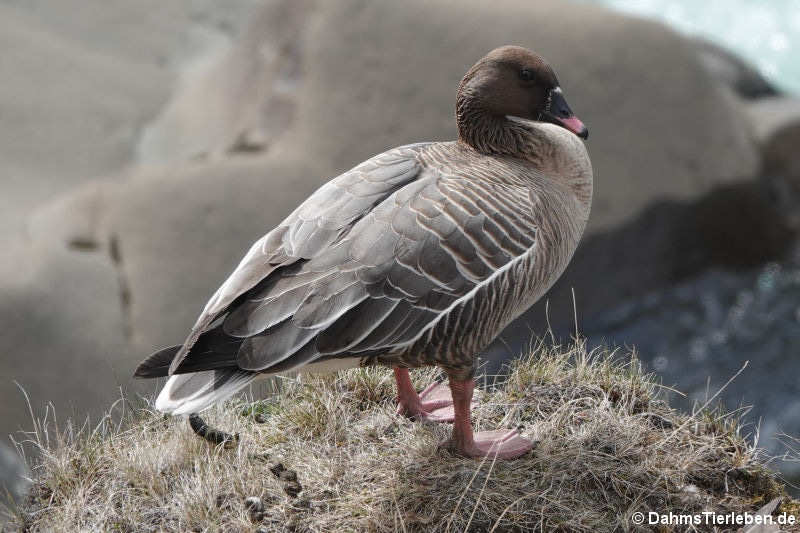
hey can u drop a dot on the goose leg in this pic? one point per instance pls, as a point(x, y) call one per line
point(506, 444)
point(433, 404)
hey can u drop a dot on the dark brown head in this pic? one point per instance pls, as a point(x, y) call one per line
point(512, 81)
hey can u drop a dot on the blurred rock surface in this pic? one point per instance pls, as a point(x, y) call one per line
point(731, 70)
point(80, 79)
point(238, 98)
point(363, 67)
point(778, 131)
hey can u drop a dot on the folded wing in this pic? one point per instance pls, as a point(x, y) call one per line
point(364, 266)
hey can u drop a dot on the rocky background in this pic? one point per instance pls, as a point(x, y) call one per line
point(147, 144)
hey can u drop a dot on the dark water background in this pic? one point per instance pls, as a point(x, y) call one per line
point(698, 333)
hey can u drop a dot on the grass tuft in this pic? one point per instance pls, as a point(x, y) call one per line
point(606, 447)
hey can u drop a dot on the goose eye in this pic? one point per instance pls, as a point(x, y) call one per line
point(526, 74)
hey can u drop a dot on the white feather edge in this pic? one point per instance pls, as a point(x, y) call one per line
point(206, 395)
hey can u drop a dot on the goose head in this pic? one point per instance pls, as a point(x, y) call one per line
point(510, 82)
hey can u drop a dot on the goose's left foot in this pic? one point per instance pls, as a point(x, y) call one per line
point(503, 443)
point(434, 404)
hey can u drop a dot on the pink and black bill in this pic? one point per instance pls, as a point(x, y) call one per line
point(558, 112)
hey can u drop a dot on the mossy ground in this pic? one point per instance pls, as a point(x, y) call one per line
point(606, 447)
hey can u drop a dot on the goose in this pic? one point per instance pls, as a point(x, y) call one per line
point(418, 256)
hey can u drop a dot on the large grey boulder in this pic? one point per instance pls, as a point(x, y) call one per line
point(732, 71)
point(381, 74)
point(639, 115)
point(63, 338)
point(738, 227)
point(79, 80)
point(118, 270)
point(240, 97)
point(773, 117)
point(777, 126)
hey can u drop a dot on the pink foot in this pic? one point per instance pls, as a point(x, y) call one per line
point(504, 443)
point(434, 404)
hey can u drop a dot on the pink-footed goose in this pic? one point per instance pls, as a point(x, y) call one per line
point(418, 256)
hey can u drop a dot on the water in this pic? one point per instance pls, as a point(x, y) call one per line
point(699, 333)
point(764, 32)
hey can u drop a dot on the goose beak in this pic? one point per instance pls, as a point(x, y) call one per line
point(558, 112)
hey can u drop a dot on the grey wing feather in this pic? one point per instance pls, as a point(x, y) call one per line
point(368, 263)
point(309, 230)
point(397, 271)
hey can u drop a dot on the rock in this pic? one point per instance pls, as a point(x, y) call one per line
point(778, 128)
point(64, 336)
point(77, 88)
point(781, 157)
point(14, 479)
point(363, 73)
point(105, 281)
point(181, 231)
point(245, 89)
point(73, 220)
point(639, 116)
point(771, 116)
point(733, 71)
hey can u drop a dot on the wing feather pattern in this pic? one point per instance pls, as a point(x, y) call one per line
point(370, 261)
point(320, 221)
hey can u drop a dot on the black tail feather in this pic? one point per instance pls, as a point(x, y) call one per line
point(213, 350)
point(157, 365)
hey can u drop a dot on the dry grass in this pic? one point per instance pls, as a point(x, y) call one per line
point(606, 447)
